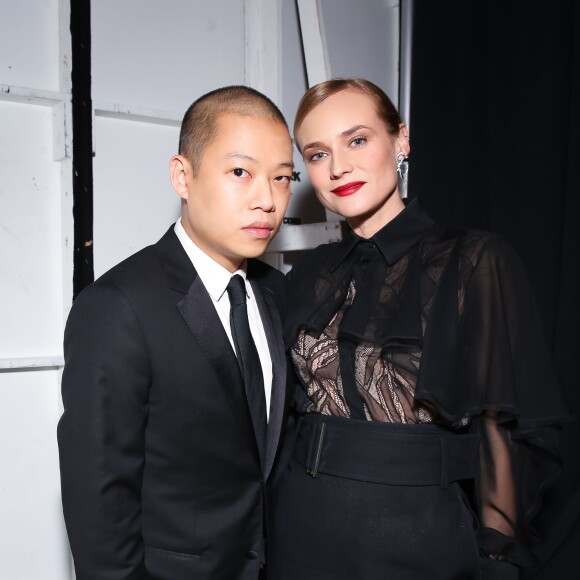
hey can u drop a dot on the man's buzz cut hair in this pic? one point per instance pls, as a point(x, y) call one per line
point(200, 122)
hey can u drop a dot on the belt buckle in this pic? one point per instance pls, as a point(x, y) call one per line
point(314, 470)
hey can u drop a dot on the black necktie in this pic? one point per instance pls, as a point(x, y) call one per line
point(248, 358)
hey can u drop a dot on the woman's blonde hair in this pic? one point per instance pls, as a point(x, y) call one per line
point(320, 92)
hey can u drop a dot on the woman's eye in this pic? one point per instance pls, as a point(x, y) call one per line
point(239, 172)
point(358, 141)
point(283, 178)
point(317, 156)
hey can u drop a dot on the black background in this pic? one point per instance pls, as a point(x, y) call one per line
point(495, 144)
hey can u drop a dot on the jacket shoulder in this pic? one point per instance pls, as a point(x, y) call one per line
point(136, 280)
point(137, 265)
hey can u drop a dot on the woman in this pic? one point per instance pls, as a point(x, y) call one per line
point(428, 408)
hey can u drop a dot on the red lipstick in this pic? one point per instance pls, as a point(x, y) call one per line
point(348, 188)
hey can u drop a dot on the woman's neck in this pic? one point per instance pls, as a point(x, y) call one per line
point(368, 225)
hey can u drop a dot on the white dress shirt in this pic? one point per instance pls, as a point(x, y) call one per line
point(216, 278)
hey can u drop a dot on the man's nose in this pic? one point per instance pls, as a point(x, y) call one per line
point(264, 196)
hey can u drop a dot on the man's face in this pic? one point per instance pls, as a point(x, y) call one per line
point(235, 203)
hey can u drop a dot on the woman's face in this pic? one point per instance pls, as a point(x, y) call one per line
point(351, 160)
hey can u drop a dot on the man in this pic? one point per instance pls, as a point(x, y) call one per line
point(164, 457)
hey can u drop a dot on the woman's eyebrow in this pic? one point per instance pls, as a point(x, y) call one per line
point(352, 130)
point(345, 133)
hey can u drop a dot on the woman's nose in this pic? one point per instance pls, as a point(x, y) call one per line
point(339, 165)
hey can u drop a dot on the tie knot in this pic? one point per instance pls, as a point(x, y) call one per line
point(237, 290)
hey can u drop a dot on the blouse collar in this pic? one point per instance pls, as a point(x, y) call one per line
point(395, 239)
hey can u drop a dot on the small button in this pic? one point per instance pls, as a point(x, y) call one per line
point(252, 555)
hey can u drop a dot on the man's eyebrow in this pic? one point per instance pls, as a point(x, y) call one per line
point(238, 155)
point(345, 133)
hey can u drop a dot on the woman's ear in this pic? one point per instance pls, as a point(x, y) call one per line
point(179, 168)
point(403, 139)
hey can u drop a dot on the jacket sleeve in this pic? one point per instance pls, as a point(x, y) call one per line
point(105, 389)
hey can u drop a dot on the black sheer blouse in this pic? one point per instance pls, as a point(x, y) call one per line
point(426, 323)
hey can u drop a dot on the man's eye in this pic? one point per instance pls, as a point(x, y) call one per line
point(283, 178)
point(239, 172)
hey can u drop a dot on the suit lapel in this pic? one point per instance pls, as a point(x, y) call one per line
point(273, 330)
point(200, 316)
point(198, 311)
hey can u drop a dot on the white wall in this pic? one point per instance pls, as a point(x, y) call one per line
point(162, 55)
point(30, 53)
point(363, 40)
point(133, 200)
point(36, 288)
point(151, 60)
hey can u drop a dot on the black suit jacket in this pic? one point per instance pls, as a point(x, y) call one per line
point(161, 475)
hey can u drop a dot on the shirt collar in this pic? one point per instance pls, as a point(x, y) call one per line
point(396, 238)
point(215, 277)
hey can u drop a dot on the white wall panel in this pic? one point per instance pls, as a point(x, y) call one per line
point(29, 33)
point(163, 55)
point(294, 80)
point(30, 233)
point(33, 543)
point(36, 281)
point(134, 202)
point(303, 203)
point(362, 39)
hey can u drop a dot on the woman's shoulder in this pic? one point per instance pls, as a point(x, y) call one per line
point(472, 244)
point(488, 246)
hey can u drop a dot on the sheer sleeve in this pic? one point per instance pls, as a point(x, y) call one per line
point(506, 365)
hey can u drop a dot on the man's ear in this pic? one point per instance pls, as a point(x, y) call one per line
point(180, 173)
point(403, 139)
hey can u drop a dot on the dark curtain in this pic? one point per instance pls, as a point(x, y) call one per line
point(495, 138)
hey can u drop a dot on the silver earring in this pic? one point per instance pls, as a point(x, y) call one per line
point(400, 158)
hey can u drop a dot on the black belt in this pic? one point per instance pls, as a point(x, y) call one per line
point(385, 453)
